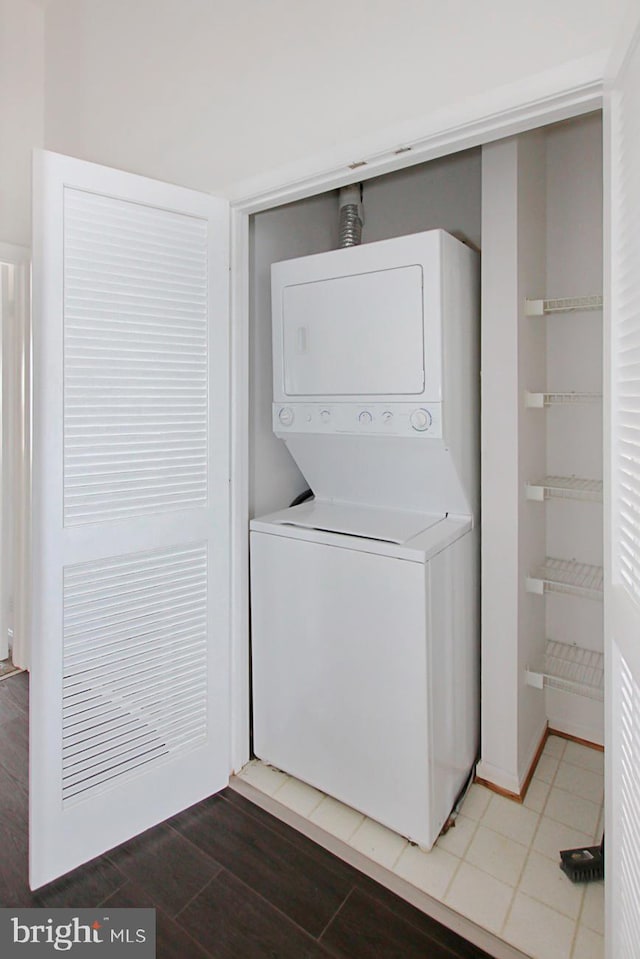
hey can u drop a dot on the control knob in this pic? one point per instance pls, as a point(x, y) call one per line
point(286, 416)
point(365, 417)
point(420, 420)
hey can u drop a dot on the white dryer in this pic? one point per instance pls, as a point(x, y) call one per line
point(365, 601)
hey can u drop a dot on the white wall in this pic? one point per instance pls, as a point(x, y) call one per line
point(208, 94)
point(444, 194)
point(21, 112)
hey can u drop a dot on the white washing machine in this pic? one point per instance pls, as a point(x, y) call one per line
point(365, 657)
point(365, 600)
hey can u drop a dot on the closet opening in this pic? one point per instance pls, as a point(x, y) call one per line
point(531, 205)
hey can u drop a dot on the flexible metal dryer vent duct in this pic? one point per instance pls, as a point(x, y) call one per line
point(351, 216)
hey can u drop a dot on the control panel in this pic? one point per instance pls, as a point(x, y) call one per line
point(391, 419)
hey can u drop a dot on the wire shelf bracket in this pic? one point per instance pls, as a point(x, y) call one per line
point(564, 487)
point(570, 669)
point(566, 576)
point(541, 400)
point(569, 304)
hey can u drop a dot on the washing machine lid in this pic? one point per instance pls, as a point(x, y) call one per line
point(383, 525)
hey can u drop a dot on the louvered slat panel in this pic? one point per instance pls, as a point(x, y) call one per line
point(111, 612)
point(628, 817)
point(135, 355)
point(134, 688)
point(627, 346)
point(89, 651)
point(105, 668)
point(623, 594)
point(88, 741)
point(92, 642)
point(626, 330)
point(108, 724)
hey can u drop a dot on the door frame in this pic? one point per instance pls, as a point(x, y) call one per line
point(574, 89)
point(16, 487)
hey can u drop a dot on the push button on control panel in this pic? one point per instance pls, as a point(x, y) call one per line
point(420, 420)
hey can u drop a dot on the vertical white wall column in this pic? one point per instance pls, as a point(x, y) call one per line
point(532, 433)
point(21, 474)
point(513, 213)
point(6, 324)
point(15, 472)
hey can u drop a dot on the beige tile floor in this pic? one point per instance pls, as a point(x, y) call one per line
point(499, 865)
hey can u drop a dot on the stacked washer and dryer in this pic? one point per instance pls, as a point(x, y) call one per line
point(365, 599)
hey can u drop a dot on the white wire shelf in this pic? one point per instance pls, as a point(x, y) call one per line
point(566, 576)
point(568, 304)
point(564, 487)
point(570, 669)
point(540, 400)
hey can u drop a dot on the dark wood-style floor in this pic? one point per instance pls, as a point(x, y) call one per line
point(227, 879)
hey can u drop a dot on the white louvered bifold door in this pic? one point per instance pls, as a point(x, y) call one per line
point(130, 675)
point(622, 584)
